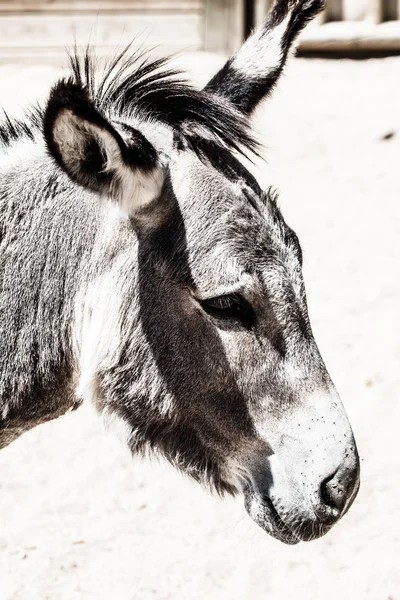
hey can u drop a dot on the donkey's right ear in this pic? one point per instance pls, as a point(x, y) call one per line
point(252, 73)
point(123, 165)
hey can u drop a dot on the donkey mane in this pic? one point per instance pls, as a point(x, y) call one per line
point(135, 84)
point(12, 129)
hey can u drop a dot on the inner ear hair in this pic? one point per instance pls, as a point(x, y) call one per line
point(83, 152)
point(94, 154)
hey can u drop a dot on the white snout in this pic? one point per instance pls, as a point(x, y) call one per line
point(311, 475)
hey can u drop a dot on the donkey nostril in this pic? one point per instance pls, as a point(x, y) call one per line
point(338, 491)
point(332, 492)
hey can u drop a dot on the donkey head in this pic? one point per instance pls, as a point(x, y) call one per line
point(192, 328)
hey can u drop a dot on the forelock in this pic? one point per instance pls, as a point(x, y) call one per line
point(132, 84)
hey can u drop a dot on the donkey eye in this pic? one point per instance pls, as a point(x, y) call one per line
point(232, 307)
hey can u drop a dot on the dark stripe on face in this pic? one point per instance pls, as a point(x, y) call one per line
point(226, 163)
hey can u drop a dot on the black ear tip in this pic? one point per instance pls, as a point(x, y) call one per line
point(63, 94)
point(67, 94)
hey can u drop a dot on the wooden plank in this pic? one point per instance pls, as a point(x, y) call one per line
point(92, 4)
point(376, 11)
point(261, 8)
point(24, 6)
point(334, 10)
point(352, 36)
point(363, 10)
point(223, 25)
point(49, 35)
point(390, 10)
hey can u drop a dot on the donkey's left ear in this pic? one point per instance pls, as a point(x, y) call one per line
point(123, 165)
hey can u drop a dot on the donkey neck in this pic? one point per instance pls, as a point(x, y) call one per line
point(47, 231)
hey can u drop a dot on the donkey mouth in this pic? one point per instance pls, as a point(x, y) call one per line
point(261, 509)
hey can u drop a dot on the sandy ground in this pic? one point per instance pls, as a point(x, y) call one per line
point(80, 519)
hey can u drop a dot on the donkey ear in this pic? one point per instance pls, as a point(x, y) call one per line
point(252, 73)
point(95, 155)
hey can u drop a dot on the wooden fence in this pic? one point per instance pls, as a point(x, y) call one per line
point(41, 29)
point(348, 26)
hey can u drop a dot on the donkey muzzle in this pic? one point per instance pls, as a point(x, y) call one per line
point(290, 514)
point(309, 478)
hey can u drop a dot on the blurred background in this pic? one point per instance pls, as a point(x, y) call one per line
point(79, 518)
point(30, 29)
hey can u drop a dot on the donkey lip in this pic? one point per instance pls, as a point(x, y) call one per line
point(267, 517)
point(285, 533)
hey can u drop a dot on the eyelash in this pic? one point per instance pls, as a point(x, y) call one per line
point(231, 307)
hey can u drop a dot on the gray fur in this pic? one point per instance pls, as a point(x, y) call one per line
point(110, 306)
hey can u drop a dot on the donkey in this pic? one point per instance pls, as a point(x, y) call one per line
point(142, 269)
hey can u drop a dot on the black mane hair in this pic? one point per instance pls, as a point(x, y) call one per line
point(12, 129)
point(132, 83)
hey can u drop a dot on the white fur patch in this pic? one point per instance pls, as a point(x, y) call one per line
point(96, 335)
point(5, 411)
point(21, 151)
point(309, 442)
point(262, 52)
point(158, 134)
